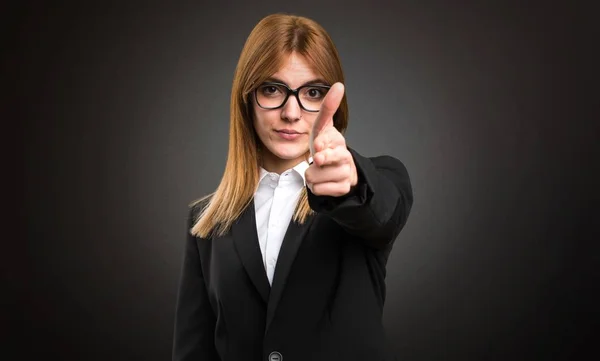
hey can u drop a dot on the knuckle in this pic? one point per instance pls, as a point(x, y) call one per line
point(316, 189)
point(321, 143)
point(322, 160)
point(347, 170)
point(346, 187)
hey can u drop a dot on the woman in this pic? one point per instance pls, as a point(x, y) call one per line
point(286, 260)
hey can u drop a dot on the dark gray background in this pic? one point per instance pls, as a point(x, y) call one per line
point(125, 120)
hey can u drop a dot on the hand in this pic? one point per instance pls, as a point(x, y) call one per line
point(333, 172)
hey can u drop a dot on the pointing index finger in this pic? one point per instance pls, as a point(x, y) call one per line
point(330, 105)
point(324, 119)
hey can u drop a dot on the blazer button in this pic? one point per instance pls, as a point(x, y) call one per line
point(275, 356)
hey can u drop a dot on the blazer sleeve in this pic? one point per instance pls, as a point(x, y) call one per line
point(377, 208)
point(194, 318)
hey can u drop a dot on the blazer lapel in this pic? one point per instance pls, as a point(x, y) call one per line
point(246, 243)
point(291, 242)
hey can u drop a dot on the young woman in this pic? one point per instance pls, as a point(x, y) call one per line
point(286, 260)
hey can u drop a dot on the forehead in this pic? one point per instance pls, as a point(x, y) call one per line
point(295, 71)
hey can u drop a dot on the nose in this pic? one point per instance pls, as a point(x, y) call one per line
point(291, 110)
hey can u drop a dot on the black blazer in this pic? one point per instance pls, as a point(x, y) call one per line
point(328, 292)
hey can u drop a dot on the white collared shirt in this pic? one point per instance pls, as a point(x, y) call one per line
point(274, 203)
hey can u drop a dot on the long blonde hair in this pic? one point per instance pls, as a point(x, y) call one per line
point(273, 39)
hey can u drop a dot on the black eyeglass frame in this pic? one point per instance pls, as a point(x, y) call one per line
point(290, 91)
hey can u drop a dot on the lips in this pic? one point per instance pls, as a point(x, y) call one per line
point(287, 131)
point(288, 134)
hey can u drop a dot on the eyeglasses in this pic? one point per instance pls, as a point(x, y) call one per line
point(272, 95)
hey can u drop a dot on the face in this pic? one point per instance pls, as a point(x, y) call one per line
point(284, 132)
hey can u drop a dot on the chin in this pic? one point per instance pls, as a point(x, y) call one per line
point(289, 154)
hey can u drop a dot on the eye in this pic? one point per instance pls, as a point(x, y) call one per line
point(270, 90)
point(314, 93)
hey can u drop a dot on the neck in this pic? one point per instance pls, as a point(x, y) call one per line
point(277, 165)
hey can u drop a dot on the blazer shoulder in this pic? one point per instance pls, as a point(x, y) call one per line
point(383, 161)
point(389, 162)
point(397, 173)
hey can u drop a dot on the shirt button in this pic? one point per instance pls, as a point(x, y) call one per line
point(275, 356)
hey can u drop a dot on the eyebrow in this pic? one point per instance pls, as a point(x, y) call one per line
point(317, 81)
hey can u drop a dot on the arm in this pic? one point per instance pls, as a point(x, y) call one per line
point(194, 318)
point(369, 197)
point(377, 208)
